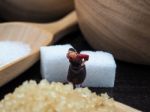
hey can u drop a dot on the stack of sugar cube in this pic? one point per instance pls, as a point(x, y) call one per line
point(100, 68)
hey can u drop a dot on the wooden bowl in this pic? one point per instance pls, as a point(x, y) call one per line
point(35, 10)
point(121, 27)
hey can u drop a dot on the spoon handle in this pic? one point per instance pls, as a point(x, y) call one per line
point(63, 26)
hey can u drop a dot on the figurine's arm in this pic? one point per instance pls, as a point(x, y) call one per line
point(83, 56)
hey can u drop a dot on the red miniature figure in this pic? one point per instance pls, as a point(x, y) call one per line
point(77, 69)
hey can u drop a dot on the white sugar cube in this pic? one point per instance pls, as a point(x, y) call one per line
point(54, 63)
point(100, 69)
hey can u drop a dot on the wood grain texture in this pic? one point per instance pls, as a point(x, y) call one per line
point(35, 10)
point(124, 108)
point(36, 35)
point(121, 27)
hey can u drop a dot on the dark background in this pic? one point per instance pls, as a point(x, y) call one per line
point(132, 85)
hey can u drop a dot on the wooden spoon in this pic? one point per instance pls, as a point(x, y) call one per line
point(36, 35)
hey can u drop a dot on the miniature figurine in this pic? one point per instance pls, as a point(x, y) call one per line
point(77, 69)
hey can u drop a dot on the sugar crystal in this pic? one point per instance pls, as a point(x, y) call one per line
point(12, 50)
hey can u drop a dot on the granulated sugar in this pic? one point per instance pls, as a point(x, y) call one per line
point(55, 97)
point(12, 50)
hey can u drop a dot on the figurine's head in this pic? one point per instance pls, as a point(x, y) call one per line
point(72, 49)
point(72, 53)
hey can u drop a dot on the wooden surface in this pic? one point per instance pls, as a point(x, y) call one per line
point(36, 35)
point(124, 108)
point(35, 10)
point(131, 85)
point(121, 27)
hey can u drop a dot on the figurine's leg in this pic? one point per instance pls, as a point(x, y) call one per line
point(74, 86)
point(81, 86)
point(78, 85)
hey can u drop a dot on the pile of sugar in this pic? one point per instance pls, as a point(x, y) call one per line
point(12, 50)
point(55, 97)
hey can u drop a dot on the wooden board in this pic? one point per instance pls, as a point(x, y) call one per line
point(124, 108)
